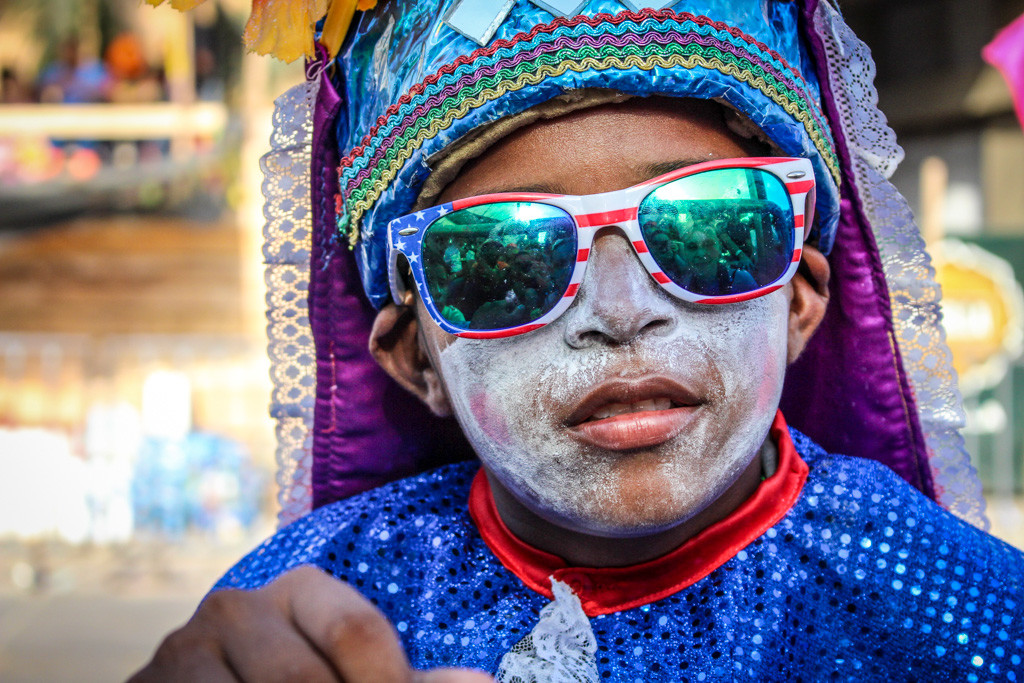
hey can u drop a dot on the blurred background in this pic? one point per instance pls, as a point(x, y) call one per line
point(136, 453)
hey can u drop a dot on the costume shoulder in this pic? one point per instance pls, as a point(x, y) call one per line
point(902, 582)
point(335, 537)
point(890, 512)
point(871, 491)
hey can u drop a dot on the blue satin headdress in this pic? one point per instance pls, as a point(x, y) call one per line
point(415, 76)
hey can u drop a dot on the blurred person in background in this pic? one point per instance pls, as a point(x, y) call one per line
point(73, 78)
point(13, 90)
point(133, 80)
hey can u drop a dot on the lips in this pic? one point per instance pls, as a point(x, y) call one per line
point(623, 415)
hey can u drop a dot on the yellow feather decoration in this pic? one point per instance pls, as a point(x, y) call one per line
point(284, 28)
point(180, 5)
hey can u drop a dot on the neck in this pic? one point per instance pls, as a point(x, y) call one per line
point(585, 550)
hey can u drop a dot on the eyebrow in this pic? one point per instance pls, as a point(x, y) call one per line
point(654, 170)
point(540, 189)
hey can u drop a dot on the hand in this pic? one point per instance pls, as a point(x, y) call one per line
point(304, 626)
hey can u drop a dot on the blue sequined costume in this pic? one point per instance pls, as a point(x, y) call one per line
point(864, 579)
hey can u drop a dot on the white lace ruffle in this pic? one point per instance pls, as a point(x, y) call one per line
point(913, 292)
point(286, 251)
point(561, 648)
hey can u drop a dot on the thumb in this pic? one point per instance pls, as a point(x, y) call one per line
point(453, 676)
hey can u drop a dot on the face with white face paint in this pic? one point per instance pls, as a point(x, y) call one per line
point(634, 411)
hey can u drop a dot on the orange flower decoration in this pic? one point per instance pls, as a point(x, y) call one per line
point(284, 28)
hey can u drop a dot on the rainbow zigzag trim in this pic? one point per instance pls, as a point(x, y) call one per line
point(643, 40)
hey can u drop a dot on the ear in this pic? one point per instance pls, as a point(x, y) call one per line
point(397, 346)
point(808, 300)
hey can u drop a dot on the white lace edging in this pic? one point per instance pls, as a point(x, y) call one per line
point(286, 252)
point(913, 292)
point(561, 648)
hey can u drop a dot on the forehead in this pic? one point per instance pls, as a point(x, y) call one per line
point(604, 148)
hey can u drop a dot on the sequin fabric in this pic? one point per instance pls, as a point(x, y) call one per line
point(864, 579)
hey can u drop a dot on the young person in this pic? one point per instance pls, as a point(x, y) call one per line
point(640, 509)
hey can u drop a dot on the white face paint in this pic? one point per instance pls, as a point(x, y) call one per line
point(512, 396)
point(624, 341)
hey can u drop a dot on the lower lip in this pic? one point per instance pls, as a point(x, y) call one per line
point(635, 430)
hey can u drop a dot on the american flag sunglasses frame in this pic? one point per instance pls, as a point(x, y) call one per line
point(591, 213)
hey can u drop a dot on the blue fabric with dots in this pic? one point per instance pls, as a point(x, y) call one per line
point(864, 579)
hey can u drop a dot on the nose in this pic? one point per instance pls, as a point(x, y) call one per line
point(618, 300)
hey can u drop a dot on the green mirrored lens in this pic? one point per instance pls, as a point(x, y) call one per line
point(720, 232)
point(499, 265)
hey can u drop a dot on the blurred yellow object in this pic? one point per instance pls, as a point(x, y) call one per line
point(37, 160)
point(180, 5)
point(339, 18)
point(983, 313)
point(284, 28)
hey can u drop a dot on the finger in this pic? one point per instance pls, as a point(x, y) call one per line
point(453, 676)
point(349, 632)
point(259, 640)
point(185, 656)
point(279, 654)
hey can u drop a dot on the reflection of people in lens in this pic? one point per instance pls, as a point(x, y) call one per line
point(659, 243)
point(530, 278)
point(660, 216)
point(738, 243)
point(698, 257)
point(481, 294)
point(453, 259)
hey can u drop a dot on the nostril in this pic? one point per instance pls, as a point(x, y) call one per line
point(596, 323)
point(659, 326)
point(586, 339)
point(643, 322)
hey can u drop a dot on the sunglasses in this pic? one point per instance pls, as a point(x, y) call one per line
point(499, 265)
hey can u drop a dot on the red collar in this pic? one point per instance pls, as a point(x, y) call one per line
point(611, 589)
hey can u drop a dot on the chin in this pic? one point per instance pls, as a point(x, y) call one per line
point(636, 527)
point(640, 506)
point(621, 523)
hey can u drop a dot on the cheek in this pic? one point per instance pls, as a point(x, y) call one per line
point(488, 417)
point(502, 393)
point(497, 391)
point(485, 383)
point(765, 360)
point(771, 369)
point(755, 366)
